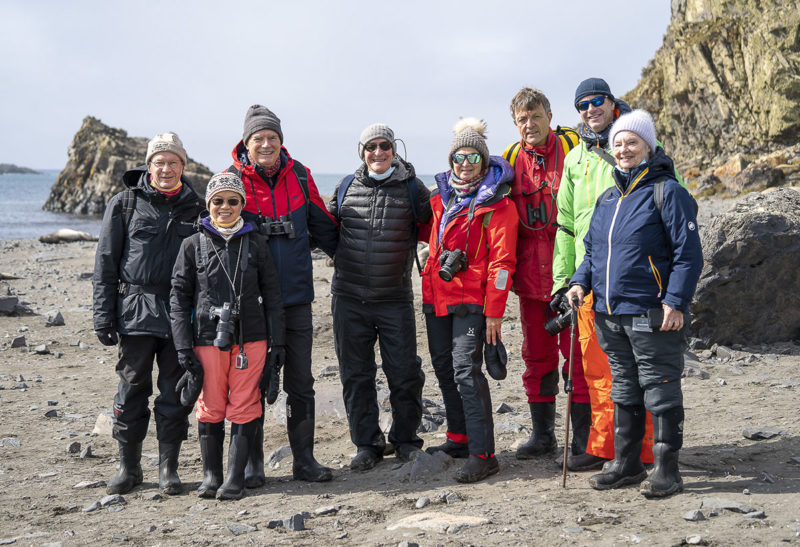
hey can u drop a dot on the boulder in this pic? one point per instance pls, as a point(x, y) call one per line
point(749, 290)
point(757, 176)
point(97, 158)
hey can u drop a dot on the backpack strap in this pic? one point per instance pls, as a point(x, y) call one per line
point(302, 178)
point(510, 153)
point(658, 194)
point(605, 156)
point(569, 138)
point(412, 199)
point(340, 193)
point(128, 205)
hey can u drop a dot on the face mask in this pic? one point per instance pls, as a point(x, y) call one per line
point(382, 176)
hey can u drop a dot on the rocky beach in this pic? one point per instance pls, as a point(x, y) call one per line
point(740, 462)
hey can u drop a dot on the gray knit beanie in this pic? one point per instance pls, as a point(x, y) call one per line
point(166, 142)
point(470, 132)
point(260, 117)
point(639, 122)
point(222, 182)
point(375, 131)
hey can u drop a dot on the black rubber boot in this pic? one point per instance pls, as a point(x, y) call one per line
point(665, 478)
point(241, 437)
point(543, 439)
point(477, 469)
point(453, 449)
point(627, 466)
point(129, 473)
point(212, 436)
point(168, 480)
point(300, 427)
point(254, 471)
point(579, 459)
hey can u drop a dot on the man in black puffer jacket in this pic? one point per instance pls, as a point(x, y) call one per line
point(142, 231)
point(373, 298)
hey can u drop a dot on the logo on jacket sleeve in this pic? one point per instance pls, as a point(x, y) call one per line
point(502, 280)
point(691, 226)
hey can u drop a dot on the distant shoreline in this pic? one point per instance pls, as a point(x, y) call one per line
point(11, 169)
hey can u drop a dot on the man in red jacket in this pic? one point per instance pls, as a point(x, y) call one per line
point(538, 159)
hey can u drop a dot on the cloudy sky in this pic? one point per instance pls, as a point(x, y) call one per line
point(327, 69)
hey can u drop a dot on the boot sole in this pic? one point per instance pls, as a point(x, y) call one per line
point(624, 481)
point(171, 490)
point(230, 496)
point(648, 492)
point(475, 478)
point(207, 494)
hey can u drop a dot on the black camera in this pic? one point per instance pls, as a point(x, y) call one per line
point(283, 226)
point(563, 318)
point(227, 316)
point(451, 263)
point(537, 214)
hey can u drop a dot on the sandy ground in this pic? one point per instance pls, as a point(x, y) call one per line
point(522, 505)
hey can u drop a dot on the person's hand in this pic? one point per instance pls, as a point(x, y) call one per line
point(272, 385)
point(673, 319)
point(186, 359)
point(493, 325)
point(575, 293)
point(190, 384)
point(555, 301)
point(107, 336)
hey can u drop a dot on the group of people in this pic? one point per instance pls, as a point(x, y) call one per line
point(218, 292)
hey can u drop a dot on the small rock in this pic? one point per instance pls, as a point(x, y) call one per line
point(721, 503)
point(18, 342)
point(722, 382)
point(11, 442)
point(19, 378)
point(104, 424)
point(46, 475)
point(52, 403)
point(51, 414)
point(796, 459)
point(112, 499)
point(74, 447)
point(691, 369)
point(327, 510)
point(295, 522)
point(41, 350)
point(341, 536)
point(762, 433)
point(408, 544)
point(452, 497)
point(766, 477)
point(89, 484)
point(54, 318)
point(723, 352)
point(273, 460)
point(694, 516)
point(573, 530)
point(151, 528)
point(82, 345)
point(275, 523)
point(239, 528)
point(87, 452)
point(746, 492)
point(694, 540)
point(503, 408)
point(331, 371)
point(422, 502)
point(116, 508)
point(755, 515)
point(155, 496)
point(92, 507)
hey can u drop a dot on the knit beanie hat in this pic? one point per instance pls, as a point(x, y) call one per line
point(166, 142)
point(470, 132)
point(222, 182)
point(639, 122)
point(592, 86)
point(260, 117)
point(375, 131)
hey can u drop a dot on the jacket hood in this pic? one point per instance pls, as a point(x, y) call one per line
point(495, 185)
point(402, 172)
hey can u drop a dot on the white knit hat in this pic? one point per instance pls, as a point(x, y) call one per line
point(222, 182)
point(166, 142)
point(639, 122)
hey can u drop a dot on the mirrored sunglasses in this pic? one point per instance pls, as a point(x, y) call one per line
point(471, 158)
point(583, 106)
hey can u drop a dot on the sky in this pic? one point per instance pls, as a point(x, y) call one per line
point(327, 69)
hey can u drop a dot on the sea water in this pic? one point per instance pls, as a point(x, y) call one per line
point(22, 197)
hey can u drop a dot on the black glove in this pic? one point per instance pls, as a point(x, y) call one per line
point(276, 360)
point(555, 301)
point(190, 384)
point(107, 336)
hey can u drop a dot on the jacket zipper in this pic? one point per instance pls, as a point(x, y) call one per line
point(656, 274)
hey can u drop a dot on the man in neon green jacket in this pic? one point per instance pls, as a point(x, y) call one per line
point(587, 173)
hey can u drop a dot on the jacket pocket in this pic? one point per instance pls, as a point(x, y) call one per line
point(656, 275)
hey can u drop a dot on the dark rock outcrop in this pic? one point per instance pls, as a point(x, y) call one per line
point(749, 291)
point(724, 83)
point(10, 168)
point(98, 157)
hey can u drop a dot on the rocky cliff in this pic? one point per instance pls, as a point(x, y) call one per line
point(725, 91)
point(98, 157)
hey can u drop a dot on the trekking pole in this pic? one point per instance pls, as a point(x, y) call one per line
point(568, 389)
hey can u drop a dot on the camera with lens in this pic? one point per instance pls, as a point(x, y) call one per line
point(451, 263)
point(226, 316)
point(563, 318)
point(283, 226)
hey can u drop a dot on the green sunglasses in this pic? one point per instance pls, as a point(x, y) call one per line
point(473, 158)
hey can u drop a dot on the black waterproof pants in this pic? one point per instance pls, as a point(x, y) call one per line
point(356, 327)
point(456, 345)
point(135, 370)
point(298, 382)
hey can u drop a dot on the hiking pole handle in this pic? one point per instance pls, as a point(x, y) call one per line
point(568, 388)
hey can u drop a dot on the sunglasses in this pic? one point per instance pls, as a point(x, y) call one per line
point(473, 158)
point(233, 202)
point(583, 106)
point(385, 146)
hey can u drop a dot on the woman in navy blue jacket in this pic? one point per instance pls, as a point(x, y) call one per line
point(643, 260)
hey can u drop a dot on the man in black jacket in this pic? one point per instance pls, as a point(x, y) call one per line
point(379, 209)
point(142, 231)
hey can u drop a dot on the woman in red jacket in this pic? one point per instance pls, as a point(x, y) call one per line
point(465, 285)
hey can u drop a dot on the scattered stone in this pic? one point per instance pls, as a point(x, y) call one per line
point(723, 352)
point(8, 304)
point(425, 465)
point(82, 345)
point(722, 381)
point(408, 544)
point(239, 528)
point(112, 499)
point(52, 403)
point(18, 342)
point(11, 442)
point(503, 408)
point(116, 508)
point(275, 523)
point(341, 536)
point(746, 492)
point(755, 515)
point(53, 318)
point(331, 371)
point(51, 414)
point(295, 522)
point(573, 530)
point(104, 424)
point(89, 484)
point(22, 387)
point(721, 503)
point(87, 452)
point(438, 522)
point(694, 516)
point(694, 540)
point(452, 497)
point(508, 427)
point(762, 433)
point(690, 369)
point(766, 477)
point(74, 447)
point(151, 528)
point(795, 459)
point(94, 506)
point(327, 510)
point(422, 502)
point(737, 370)
point(274, 459)
point(41, 350)
point(19, 378)
point(46, 475)
point(427, 425)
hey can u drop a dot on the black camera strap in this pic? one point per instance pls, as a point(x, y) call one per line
point(244, 250)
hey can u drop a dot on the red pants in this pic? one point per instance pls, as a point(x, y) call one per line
point(229, 392)
point(598, 378)
point(540, 353)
